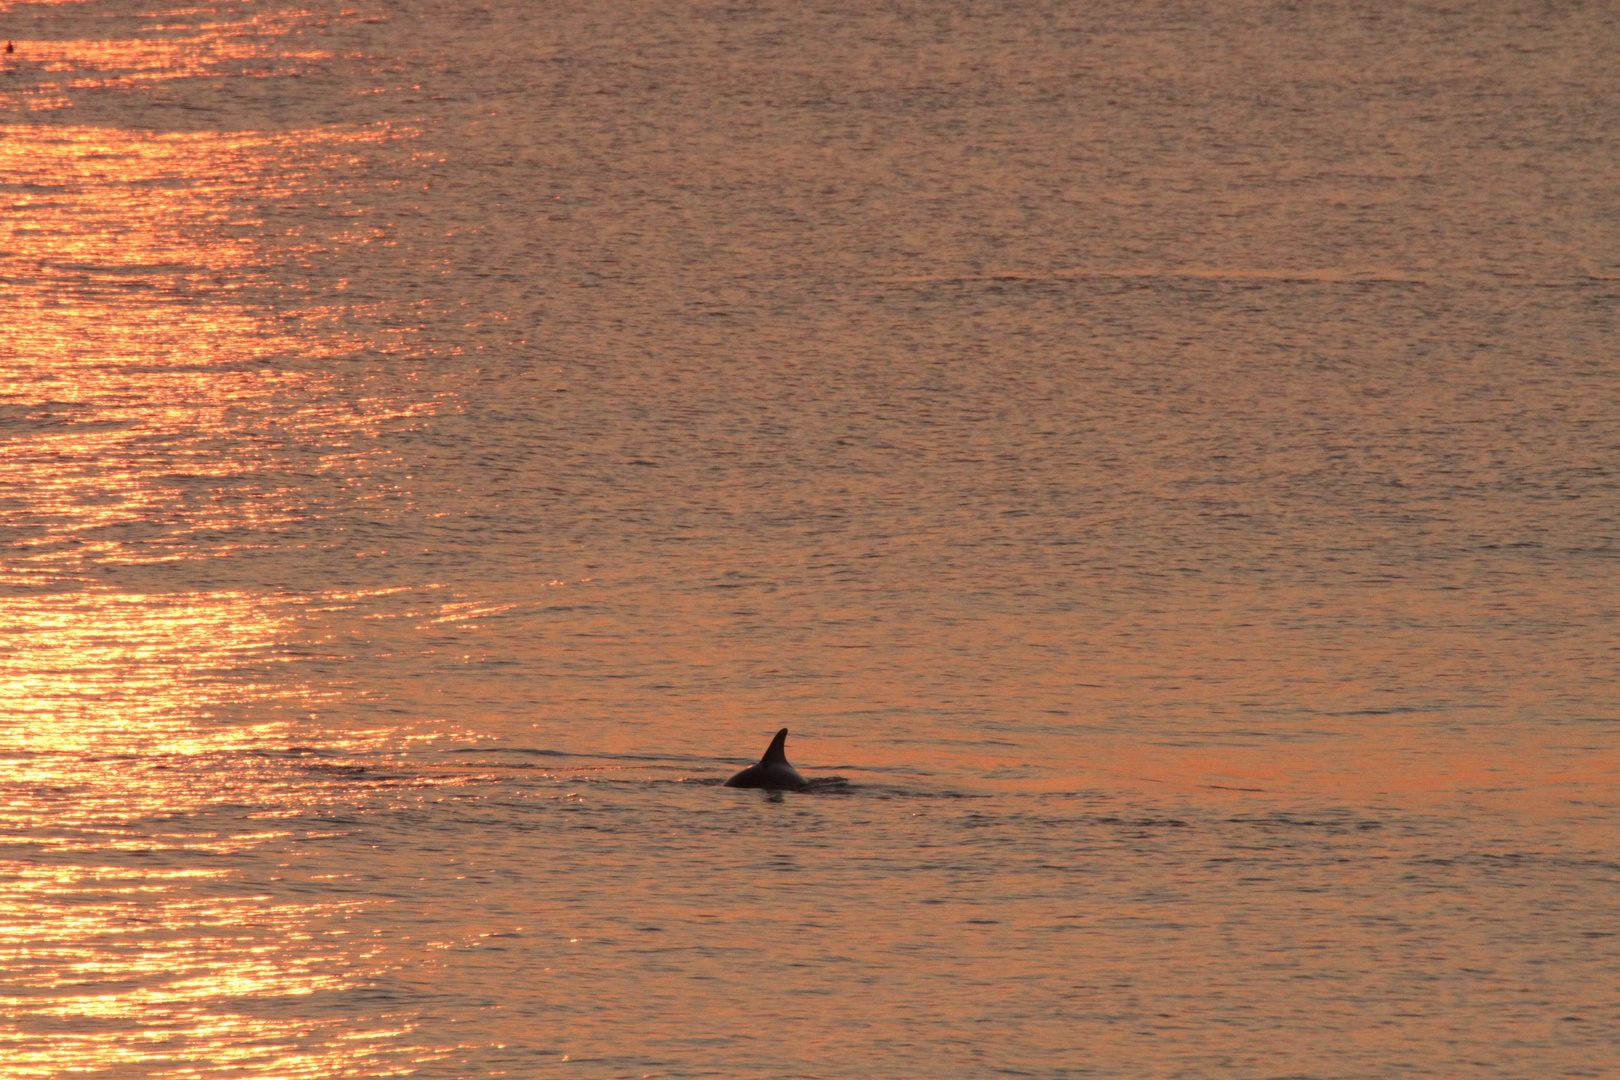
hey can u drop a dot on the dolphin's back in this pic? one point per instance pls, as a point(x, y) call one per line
point(773, 773)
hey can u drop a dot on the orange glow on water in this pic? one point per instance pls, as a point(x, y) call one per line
point(133, 720)
point(159, 369)
point(130, 956)
point(138, 60)
point(1120, 511)
point(197, 43)
point(118, 705)
point(156, 222)
point(128, 674)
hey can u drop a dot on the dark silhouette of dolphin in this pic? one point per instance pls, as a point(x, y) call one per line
point(773, 773)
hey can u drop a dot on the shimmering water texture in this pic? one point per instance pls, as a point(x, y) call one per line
point(1161, 457)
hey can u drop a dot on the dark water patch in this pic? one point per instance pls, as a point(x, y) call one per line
point(1285, 822)
point(1144, 823)
point(638, 758)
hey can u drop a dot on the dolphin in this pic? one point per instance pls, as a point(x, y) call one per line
point(773, 773)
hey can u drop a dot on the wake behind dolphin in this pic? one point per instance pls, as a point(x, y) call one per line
point(773, 773)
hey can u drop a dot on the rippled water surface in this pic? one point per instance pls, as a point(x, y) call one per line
point(1163, 457)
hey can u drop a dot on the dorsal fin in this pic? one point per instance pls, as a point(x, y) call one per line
point(777, 753)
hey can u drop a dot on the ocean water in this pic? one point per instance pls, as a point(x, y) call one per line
point(1162, 456)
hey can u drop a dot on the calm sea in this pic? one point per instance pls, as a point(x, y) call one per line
point(1164, 457)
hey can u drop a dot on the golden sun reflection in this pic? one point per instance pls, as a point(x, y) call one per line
point(169, 414)
point(156, 223)
point(113, 702)
point(128, 958)
point(183, 43)
point(162, 382)
point(148, 734)
point(120, 674)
